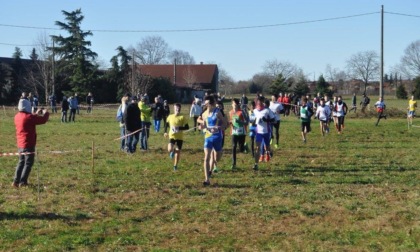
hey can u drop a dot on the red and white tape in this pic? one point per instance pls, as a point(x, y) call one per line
point(6, 154)
point(15, 154)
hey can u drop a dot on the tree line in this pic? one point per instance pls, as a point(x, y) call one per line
point(69, 66)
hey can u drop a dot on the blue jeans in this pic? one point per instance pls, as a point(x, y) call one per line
point(132, 140)
point(122, 133)
point(157, 125)
point(64, 116)
point(144, 136)
point(24, 166)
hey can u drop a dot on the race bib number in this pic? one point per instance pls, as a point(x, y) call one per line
point(213, 130)
point(238, 131)
point(174, 129)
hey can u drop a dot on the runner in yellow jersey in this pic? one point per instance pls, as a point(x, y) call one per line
point(176, 124)
point(412, 105)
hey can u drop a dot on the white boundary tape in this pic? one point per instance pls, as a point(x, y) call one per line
point(15, 154)
point(6, 154)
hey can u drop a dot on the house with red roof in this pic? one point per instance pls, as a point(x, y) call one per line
point(188, 80)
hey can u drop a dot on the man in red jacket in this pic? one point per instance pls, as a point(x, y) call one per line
point(25, 123)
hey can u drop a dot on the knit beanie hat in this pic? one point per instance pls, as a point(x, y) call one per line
point(24, 106)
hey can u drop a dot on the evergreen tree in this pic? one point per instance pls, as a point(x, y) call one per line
point(279, 85)
point(17, 85)
point(301, 87)
point(322, 86)
point(34, 55)
point(254, 88)
point(401, 93)
point(119, 74)
point(391, 79)
point(416, 91)
point(74, 52)
point(4, 94)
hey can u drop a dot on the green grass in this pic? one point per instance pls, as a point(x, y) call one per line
point(358, 191)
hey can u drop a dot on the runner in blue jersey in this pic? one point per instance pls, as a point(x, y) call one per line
point(213, 122)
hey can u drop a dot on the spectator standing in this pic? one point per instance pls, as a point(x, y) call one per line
point(353, 103)
point(157, 110)
point(35, 103)
point(64, 109)
point(120, 118)
point(195, 112)
point(74, 105)
point(89, 102)
point(26, 136)
point(364, 102)
point(166, 112)
point(53, 103)
point(131, 118)
point(76, 97)
point(146, 112)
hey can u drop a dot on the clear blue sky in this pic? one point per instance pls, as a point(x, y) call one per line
point(241, 52)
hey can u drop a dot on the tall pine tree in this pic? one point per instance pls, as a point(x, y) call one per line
point(279, 85)
point(75, 57)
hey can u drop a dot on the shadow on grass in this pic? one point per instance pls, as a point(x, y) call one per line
point(231, 186)
point(42, 216)
point(32, 216)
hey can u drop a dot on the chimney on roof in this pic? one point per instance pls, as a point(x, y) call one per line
point(174, 71)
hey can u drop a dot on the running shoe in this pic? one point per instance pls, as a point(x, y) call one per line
point(206, 183)
point(175, 168)
point(276, 146)
point(267, 157)
point(261, 158)
point(255, 168)
point(233, 167)
point(171, 154)
point(215, 170)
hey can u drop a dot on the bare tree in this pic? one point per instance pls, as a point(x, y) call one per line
point(152, 50)
point(40, 74)
point(226, 81)
point(190, 77)
point(263, 80)
point(410, 62)
point(334, 74)
point(276, 67)
point(139, 83)
point(181, 57)
point(364, 66)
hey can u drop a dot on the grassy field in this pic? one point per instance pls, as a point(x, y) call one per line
point(358, 191)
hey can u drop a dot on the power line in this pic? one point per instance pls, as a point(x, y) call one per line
point(402, 14)
point(203, 29)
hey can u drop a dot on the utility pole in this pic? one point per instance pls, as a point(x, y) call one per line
point(132, 76)
point(53, 70)
point(381, 82)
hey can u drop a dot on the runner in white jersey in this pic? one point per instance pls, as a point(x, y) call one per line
point(323, 113)
point(380, 107)
point(341, 109)
point(263, 118)
point(276, 108)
